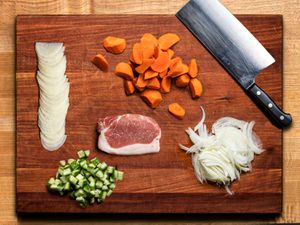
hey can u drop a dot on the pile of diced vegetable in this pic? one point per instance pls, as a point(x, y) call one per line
point(151, 69)
point(87, 181)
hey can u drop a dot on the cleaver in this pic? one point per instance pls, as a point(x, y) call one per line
point(235, 48)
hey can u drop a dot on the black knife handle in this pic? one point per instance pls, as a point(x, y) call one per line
point(278, 117)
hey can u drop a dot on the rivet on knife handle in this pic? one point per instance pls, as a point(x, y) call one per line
point(280, 118)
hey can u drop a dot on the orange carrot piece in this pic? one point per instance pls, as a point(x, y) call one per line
point(165, 86)
point(114, 45)
point(141, 83)
point(137, 53)
point(193, 68)
point(183, 80)
point(171, 53)
point(134, 80)
point(195, 87)
point(148, 51)
point(152, 97)
point(167, 40)
point(124, 70)
point(174, 61)
point(100, 61)
point(150, 74)
point(144, 66)
point(153, 83)
point(185, 68)
point(161, 63)
point(131, 58)
point(149, 39)
point(177, 110)
point(129, 87)
point(157, 51)
point(163, 73)
point(178, 69)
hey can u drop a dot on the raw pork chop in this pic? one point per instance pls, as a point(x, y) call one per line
point(129, 134)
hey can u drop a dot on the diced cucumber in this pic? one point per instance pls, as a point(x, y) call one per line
point(87, 153)
point(110, 169)
point(95, 161)
point(99, 184)
point(62, 162)
point(106, 182)
point(99, 174)
point(81, 154)
point(79, 177)
point(73, 179)
point(70, 161)
point(112, 186)
point(120, 175)
point(67, 172)
point(86, 181)
point(67, 186)
point(103, 195)
point(109, 193)
point(82, 182)
point(103, 166)
point(104, 188)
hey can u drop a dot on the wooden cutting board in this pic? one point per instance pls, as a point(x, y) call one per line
point(155, 183)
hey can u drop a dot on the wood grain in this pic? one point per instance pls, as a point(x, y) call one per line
point(156, 183)
point(290, 10)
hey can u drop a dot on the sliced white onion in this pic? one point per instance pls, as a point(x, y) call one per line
point(54, 70)
point(53, 146)
point(53, 89)
point(220, 156)
point(54, 94)
point(47, 49)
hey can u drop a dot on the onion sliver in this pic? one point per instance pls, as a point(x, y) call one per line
point(221, 156)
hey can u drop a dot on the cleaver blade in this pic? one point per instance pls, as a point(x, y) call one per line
point(240, 53)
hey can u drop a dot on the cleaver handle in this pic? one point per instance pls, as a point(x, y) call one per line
point(278, 117)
